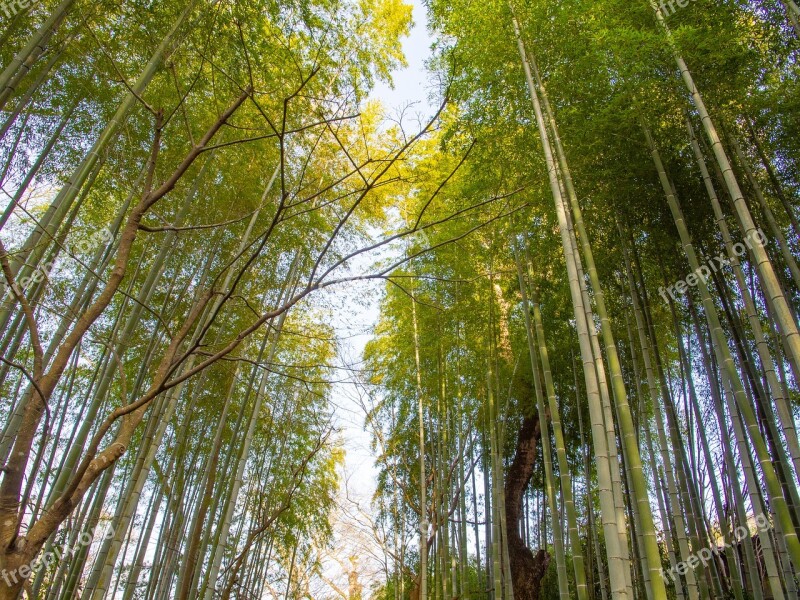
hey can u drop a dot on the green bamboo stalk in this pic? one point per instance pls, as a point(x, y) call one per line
point(766, 272)
point(617, 565)
point(558, 535)
point(561, 452)
point(630, 445)
point(780, 399)
point(777, 501)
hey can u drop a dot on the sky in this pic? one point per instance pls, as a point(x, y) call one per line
point(357, 307)
point(360, 304)
point(411, 85)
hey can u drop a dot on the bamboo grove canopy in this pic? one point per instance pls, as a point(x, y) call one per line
point(582, 378)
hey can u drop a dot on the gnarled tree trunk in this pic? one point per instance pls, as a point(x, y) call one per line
point(527, 569)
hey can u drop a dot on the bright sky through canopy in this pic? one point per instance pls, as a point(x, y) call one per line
point(411, 84)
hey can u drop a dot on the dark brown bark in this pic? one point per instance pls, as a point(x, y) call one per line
point(527, 569)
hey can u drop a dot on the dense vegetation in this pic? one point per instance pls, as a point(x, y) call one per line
point(585, 375)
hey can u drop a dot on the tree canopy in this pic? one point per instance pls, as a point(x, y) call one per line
point(583, 377)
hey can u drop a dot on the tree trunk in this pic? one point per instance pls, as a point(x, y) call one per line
point(527, 569)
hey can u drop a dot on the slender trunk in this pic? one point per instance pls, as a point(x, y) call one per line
point(630, 446)
point(717, 403)
point(766, 272)
point(561, 453)
point(772, 223)
point(29, 256)
point(558, 535)
point(777, 187)
point(423, 503)
point(768, 366)
point(617, 565)
point(777, 500)
point(24, 60)
point(269, 346)
point(676, 524)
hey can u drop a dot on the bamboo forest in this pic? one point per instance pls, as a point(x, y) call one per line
point(399, 299)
